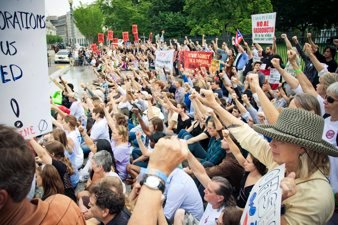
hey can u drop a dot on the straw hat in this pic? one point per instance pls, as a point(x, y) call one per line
point(300, 127)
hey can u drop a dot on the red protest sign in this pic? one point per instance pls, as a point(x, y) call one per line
point(151, 36)
point(93, 47)
point(110, 35)
point(134, 29)
point(115, 41)
point(193, 59)
point(100, 37)
point(125, 36)
point(136, 37)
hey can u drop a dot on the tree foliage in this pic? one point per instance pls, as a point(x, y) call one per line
point(89, 20)
point(196, 17)
point(52, 39)
point(303, 14)
point(119, 15)
point(214, 16)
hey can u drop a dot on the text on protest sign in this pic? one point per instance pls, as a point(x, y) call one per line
point(264, 203)
point(164, 59)
point(23, 68)
point(194, 59)
point(263, 28)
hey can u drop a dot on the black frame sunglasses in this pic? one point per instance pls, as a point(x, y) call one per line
point(330, 99)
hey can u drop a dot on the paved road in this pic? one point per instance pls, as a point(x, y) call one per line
point(75, 75)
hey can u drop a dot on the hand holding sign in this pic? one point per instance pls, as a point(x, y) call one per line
point(288, 185)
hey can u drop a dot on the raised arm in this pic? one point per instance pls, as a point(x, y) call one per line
point(258, 46)
point(291, 80)
point(141, 145)
point(200, 137)
point(303, 80)
point(144, 127)
point(234, 148)
point(268, 108)
point(167, 155)
point(274, 46)
point(89, 142)
point(248, 50)
point(41, 152)
point(318, 65)
point(287, 42)
point(61, 113)
point(198, 170)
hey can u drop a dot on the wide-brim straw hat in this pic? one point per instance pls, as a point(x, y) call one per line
point(300, 127)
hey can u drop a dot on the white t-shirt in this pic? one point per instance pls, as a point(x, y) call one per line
point(210, 215)
point(330, 135)
point(113, 174)
point(100, 130)
point(321, 103)
point(77, 110)
point(75, 136)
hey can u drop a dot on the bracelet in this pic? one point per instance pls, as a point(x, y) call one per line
point(156, 173)
point(298, 71)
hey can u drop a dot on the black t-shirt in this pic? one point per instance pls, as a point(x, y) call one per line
point(121, 219)
point(244, 192)
point(62, 170)
point(182, 124)
point(196, 130)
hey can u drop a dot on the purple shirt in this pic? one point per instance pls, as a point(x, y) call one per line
point(122, 158)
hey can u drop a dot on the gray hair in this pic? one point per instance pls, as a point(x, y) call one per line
point(103, 158)
point(333, 89)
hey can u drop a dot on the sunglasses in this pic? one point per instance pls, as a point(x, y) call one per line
point(330, 99)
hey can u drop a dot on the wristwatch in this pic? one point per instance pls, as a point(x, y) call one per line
point(153, 182)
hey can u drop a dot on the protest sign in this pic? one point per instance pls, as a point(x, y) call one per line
point(274, 78)
point(136, 37)
point(115, 41)
point(193, 59)
point(263, 28)
point(134, 29)
point(100, 37)
point(215, 66)
point(125, 36)
point(164, 59)
point(24, 85)
point(264, 203)
point(110, 35)
point(93, 47)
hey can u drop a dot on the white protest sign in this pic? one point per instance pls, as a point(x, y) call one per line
point(274, 76)
point(264, 203)
point(24, 85)
point(164, 59)
point(263, 28)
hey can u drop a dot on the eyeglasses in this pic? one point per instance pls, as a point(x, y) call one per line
point(330, 99)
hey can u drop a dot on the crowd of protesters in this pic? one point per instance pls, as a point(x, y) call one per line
point(186, 146)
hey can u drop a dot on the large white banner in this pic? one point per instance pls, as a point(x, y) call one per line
point(164, 59)
point(263, 28)
point(264, 203)
point(24, 85)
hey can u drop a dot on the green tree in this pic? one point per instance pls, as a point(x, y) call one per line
point(304, 14)
point(213, 17)
point(168, 15)
point(52, 39)
point(89, 20)
point(120, 15)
